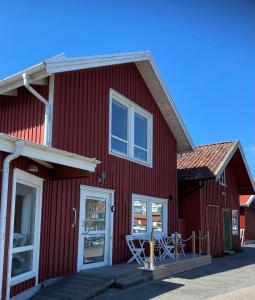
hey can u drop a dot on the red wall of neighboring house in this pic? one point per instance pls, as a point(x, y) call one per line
point(23, 115)
point(247, 221)
point(203, 209)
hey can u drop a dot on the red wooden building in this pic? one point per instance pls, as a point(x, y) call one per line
point(247, 217)
point(63, 212)
point(210, 182)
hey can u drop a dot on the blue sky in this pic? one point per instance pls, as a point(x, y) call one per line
point(205, 51)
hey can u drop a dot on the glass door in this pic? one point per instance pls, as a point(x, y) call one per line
point(94, 230)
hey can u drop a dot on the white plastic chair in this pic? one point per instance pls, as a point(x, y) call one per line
point(180, 243)
point(168, 247)
point(136, 251)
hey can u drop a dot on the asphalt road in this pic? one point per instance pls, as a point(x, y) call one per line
point(231, 277)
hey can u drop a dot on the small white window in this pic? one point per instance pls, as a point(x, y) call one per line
point(149, 213)
point(130, 130)
point(235, 230)
point(222, 178)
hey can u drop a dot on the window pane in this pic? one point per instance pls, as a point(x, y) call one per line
point(235, 230)
point(94, 249)
point(140, 131)
point(24, 218)
point(22, 262)
point(140, 154)
point(95, 215)
point(157, 216)
point(140, 216)
point(119, 146)
point(119, 120)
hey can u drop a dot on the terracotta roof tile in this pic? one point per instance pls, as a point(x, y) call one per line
point(204, 162)
point(244, 198)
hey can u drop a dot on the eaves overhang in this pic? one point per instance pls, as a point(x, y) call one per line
point(147, 68)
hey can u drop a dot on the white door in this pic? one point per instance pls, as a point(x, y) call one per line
point(95, 228)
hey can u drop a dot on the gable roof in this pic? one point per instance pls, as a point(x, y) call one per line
point(246, 200)
point(204, 162)
point(208, 162)
point(146, 66)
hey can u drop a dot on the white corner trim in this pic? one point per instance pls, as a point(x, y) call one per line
point(51, 105)
point(49, 154)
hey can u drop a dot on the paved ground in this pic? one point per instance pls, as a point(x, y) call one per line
point(231, 277)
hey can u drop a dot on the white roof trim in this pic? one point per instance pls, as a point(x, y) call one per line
point(248, 202)
point(48, 154)
point(237, 145)
point(146, 67)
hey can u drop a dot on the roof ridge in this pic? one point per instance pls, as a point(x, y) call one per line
point(217, 143)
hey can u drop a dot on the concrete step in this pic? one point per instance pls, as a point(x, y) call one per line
point(129, 281)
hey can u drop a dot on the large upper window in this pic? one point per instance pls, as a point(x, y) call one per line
point(130, 129)
point(149, 213)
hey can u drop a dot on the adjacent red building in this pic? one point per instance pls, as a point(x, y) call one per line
point(247, 217)
point(210, 181)
point(91, 145)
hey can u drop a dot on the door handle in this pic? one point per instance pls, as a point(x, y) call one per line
point(75, 217)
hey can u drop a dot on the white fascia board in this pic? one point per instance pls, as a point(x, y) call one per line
point(162, 96)
point(237, 145)
point(224, 163)
point(87, 62)
point(48, 154)
point(12, 82)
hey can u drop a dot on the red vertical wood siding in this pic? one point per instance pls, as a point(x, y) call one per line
point(247, 221)
point(81, 118)
point(22, 116)
point(208, 204)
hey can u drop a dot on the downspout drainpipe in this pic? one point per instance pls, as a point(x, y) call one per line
point(47, 116)
point(4, 202)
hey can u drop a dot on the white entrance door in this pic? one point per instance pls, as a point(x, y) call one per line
point(95, 228)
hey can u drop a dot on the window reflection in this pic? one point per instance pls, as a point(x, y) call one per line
point(157, 216)
point(140, 216)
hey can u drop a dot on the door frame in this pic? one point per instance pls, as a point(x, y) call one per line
point(230, 227)
point(86, 189)
point(20, 176)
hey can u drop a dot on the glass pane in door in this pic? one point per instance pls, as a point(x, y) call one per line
point(94, 230)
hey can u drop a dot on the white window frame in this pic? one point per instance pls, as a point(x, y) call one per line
point(235, 211)
point(222, 178)
point(25, 178)
point(149, 200)
point(132, 108)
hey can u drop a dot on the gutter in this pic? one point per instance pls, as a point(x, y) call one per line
point(4, 201)
point(48, 110)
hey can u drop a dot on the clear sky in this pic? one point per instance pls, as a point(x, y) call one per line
point(205, 51)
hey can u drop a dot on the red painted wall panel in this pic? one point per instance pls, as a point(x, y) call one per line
point(23, 115)
point(208, 204)
point(81, 117)
point(247, 222)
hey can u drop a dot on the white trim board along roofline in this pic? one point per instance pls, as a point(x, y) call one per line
point(232, 151)
point(146, 66)
point(48, 154)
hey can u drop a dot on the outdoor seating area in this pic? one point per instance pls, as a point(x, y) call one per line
point(157, 247)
